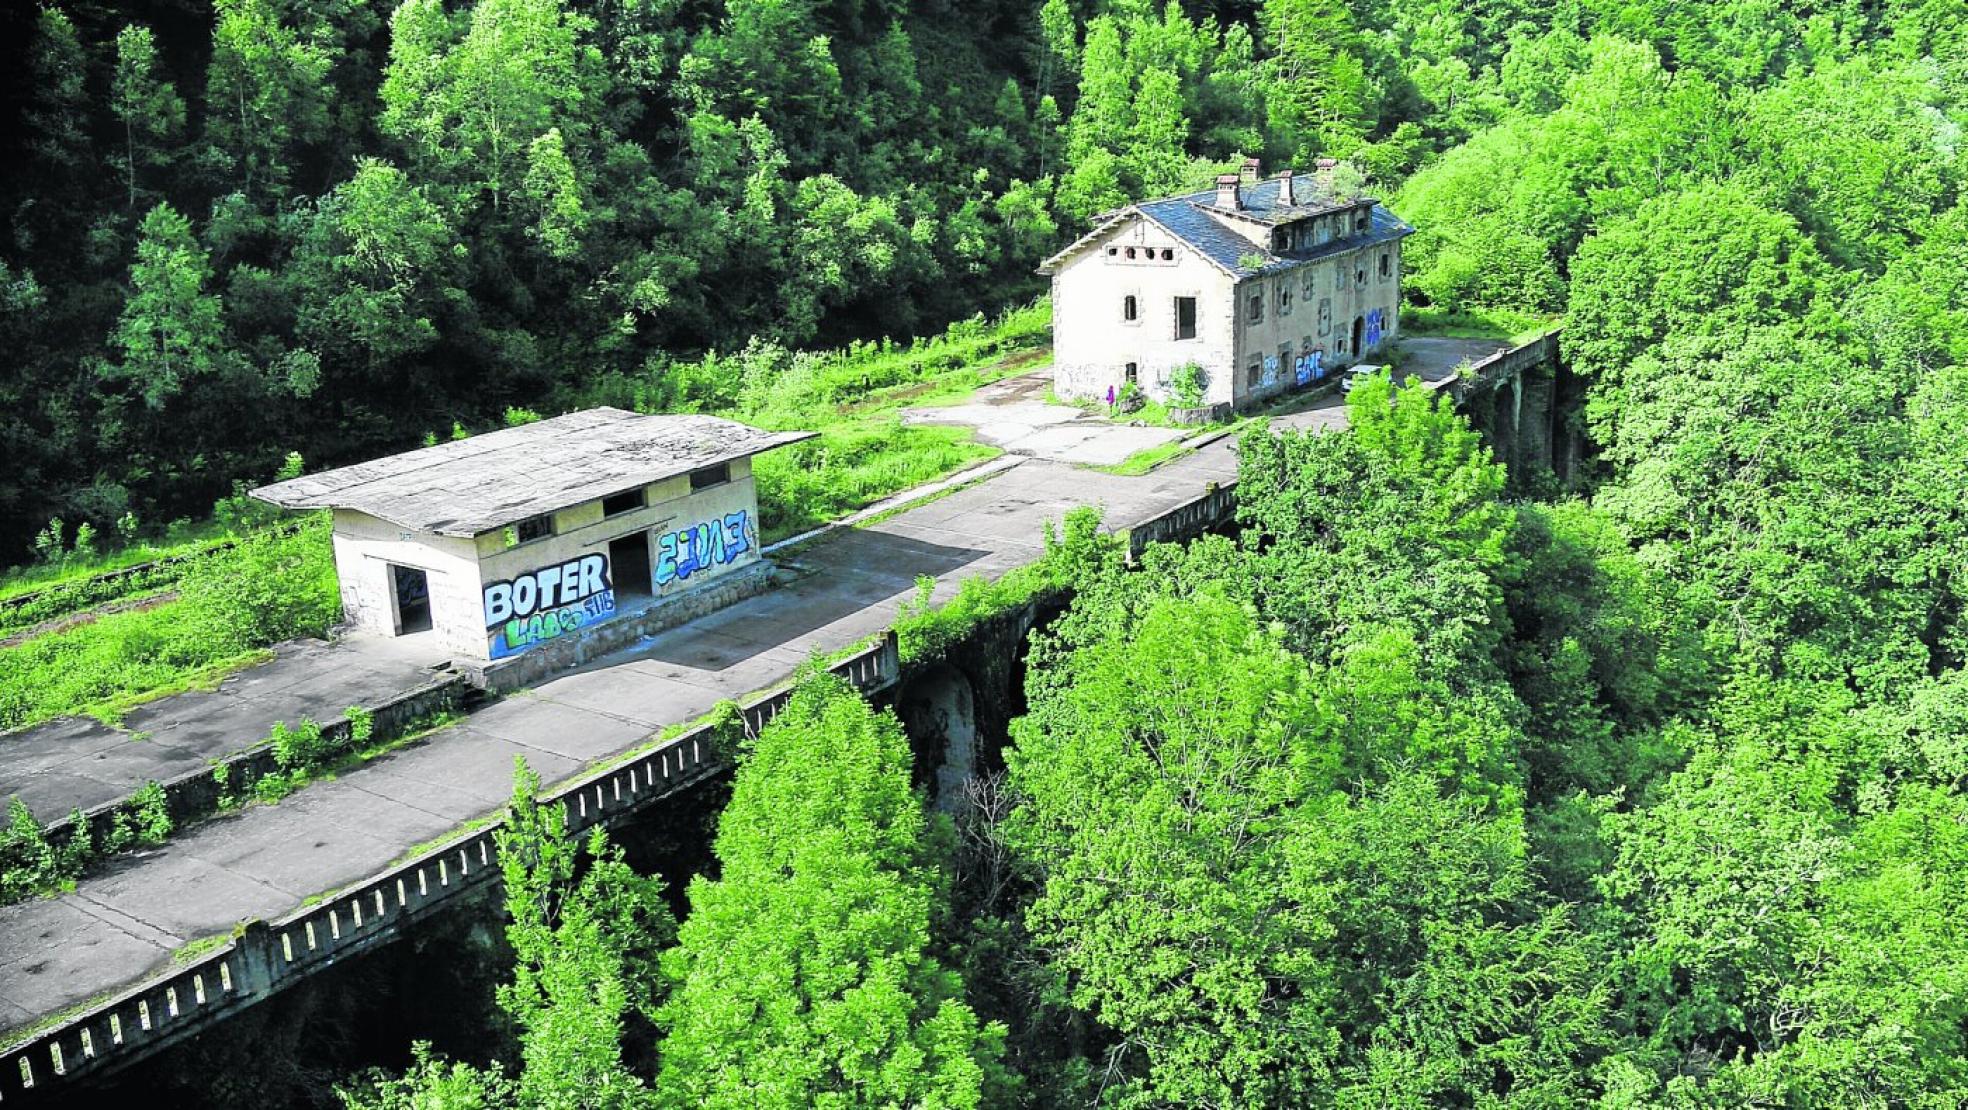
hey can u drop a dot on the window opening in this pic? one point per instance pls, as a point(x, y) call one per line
point(534, 528)
point(624, 502)
point(1130, 310)
point(1185, 317)
point(710, 476)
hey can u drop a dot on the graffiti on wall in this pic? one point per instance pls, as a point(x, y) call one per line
point(706, 544)
point(1308, 368)
point(1375, 322)
point(551, 601)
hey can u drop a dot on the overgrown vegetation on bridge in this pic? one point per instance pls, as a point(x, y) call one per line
point(1411, 795)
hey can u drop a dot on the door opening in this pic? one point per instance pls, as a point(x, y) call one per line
point(413, 603)
point(1359, 334)
point(628, 566)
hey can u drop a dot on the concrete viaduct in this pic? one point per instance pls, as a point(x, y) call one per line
point(1513, 395)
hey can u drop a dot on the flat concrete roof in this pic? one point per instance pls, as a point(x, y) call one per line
point(474, 485)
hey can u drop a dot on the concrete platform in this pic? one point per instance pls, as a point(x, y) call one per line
point(79, 762)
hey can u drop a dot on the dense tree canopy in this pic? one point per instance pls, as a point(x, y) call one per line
point(1437, 784)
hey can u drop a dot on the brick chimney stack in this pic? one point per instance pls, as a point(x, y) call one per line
point(1253, 169)
point(1287, 197)
point(1228, 194)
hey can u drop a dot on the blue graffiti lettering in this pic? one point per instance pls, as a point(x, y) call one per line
point(702, 546)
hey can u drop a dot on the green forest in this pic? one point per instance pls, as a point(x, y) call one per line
point(1435, 785)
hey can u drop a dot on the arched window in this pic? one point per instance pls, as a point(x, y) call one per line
point(1130, 254)
point(1168, 254)
point(1130, 311)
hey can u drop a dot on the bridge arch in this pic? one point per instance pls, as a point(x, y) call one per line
point(938, 708)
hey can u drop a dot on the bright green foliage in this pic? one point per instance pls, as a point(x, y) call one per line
point(430, 1084)
point(803, 975)
point(1251, 934)
point(143, 101)
point(173, 328)
point(583, 952)
point(1165, 772)
point(1398, 522)
point(268, 589)
point(267, 94)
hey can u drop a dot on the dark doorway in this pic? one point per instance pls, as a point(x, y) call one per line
point(1359, 336)
point(628, 566)
point(413, 599)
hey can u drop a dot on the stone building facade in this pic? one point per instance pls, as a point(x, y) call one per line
point(1266, 285)
point(504, 542)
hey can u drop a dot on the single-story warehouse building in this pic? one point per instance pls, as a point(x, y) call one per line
point(503, 542)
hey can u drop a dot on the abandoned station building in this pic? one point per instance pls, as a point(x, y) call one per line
point(1265, 284)
point(510, 540)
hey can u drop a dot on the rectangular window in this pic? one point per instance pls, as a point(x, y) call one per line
point(1185, 317)
point(1325, 315)
point(1284, 360)
point(1386, 266)
point(534, 528)
point(710, 476)
point(1284, 298)
point(1311, 281)
point(1360, 220)
point(1257, 308)
point(624, 502)
point(1130, 309)
point(1132, 373)
point(1254, 374)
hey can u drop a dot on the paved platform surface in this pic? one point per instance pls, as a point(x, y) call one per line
point(123, 923)
point(79, 762)
point(1013, 414)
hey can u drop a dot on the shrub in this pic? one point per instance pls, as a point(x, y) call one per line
point(300, 748)
point(1188, 385)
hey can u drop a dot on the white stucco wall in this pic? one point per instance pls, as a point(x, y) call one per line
point(459, 569)
point(1092, 343)
point(365, 546)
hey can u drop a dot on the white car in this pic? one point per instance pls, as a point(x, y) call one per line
point(1357, 373)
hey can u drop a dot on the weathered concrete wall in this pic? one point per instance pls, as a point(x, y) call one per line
point(1093, 343)
point(1525, 402)
point(365, 546)
point(1312, 308)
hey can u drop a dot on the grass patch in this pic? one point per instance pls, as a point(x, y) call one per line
point(1475, 323)
point(271, 587)
point(1147, 459)
point(925, 630)
point(852, 466)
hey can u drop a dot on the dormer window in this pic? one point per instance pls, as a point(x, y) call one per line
point(1360, 220)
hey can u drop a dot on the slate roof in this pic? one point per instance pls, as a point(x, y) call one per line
point(469, 486)
point(1187, 218)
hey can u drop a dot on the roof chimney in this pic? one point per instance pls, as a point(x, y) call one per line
point(1253, 169)
point(1286, 197)
point(1228, 195)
